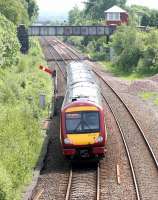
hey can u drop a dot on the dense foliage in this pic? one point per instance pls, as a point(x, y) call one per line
point(129, 50)
point(20, 118)
point(93, 14)
point(150, 19)
point(135, 51)
point(32, 9)
point(19, 11)
point(95, 8)
point(143, 15)
point(9, 45)
point(76, 16)
point(21, 83)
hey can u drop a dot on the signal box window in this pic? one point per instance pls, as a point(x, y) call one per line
point(113, 16)
point(82, 122)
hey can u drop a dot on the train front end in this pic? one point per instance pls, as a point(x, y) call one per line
point(82, 130)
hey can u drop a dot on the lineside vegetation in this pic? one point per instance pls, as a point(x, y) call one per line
point(20, 116)
point(135, 51)
point(129, 51)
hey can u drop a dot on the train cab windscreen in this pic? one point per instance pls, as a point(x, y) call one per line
point(82, 122)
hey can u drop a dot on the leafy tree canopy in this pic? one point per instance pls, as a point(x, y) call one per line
point(143, 15)
point(19, 11)
point(14, 11)
point(32, 9)
point(74, 15)
point(135, 50)
point(9, 45)
point(96, 8)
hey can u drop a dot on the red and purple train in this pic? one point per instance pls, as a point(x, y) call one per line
point(82, 124)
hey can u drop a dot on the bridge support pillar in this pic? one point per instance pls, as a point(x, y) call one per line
point(22, 34)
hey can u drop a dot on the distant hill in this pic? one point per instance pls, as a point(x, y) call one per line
point(52, 16)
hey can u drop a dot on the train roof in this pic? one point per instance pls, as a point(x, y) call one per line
point(81, 84)
point(78, 72)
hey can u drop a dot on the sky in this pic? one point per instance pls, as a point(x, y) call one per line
point(147, 3)
point(60, 8)
point(57, 8)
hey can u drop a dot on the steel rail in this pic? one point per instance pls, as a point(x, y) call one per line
point(98, 168)
point(69, 186)
point(127, 150)
point(66, 49)
point(70, 49)
point(62, 58)
point(68, 191)
point(56, 60)
point(51, 45)
point(134, 119)
point(98, 183)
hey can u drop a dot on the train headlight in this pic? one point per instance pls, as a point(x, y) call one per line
point(99, 139)
point(67, 141)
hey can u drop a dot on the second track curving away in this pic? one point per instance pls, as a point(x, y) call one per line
point(143, 163)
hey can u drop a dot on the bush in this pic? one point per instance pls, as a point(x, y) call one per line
point(127, 46)
point(148, 62)
point(9, 45)
point(5, 184)
point(15, 11)
point(135, 51)
point(20, 120)
point(21, 143)
point(76, 41)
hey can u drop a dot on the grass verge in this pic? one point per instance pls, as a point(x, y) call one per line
point(152, 96)
point(20, 119)
point(125, 76)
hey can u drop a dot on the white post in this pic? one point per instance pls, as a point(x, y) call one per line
point(42, 100)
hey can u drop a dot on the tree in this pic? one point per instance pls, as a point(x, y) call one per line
point(9, 45)
point(143, 15)
point(145, 21)
point(127, 45)
point(153, 18)
point(19, 11)
point(76, 17)
point(95, 8)
point(32, 9)
point(14, 11)
point(148, 62)
point(138, 14)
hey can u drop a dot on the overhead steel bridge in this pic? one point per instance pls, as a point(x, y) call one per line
point(24, 33)
point(70, 30)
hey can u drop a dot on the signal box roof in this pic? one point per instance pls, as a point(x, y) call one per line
point(115, 9)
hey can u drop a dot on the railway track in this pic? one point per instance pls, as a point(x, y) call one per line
point(143, 169)
point(64, 52)
point(55, 55)
point(53, 182)
point(134, 171)
point(83, 183)
point(142, 159)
